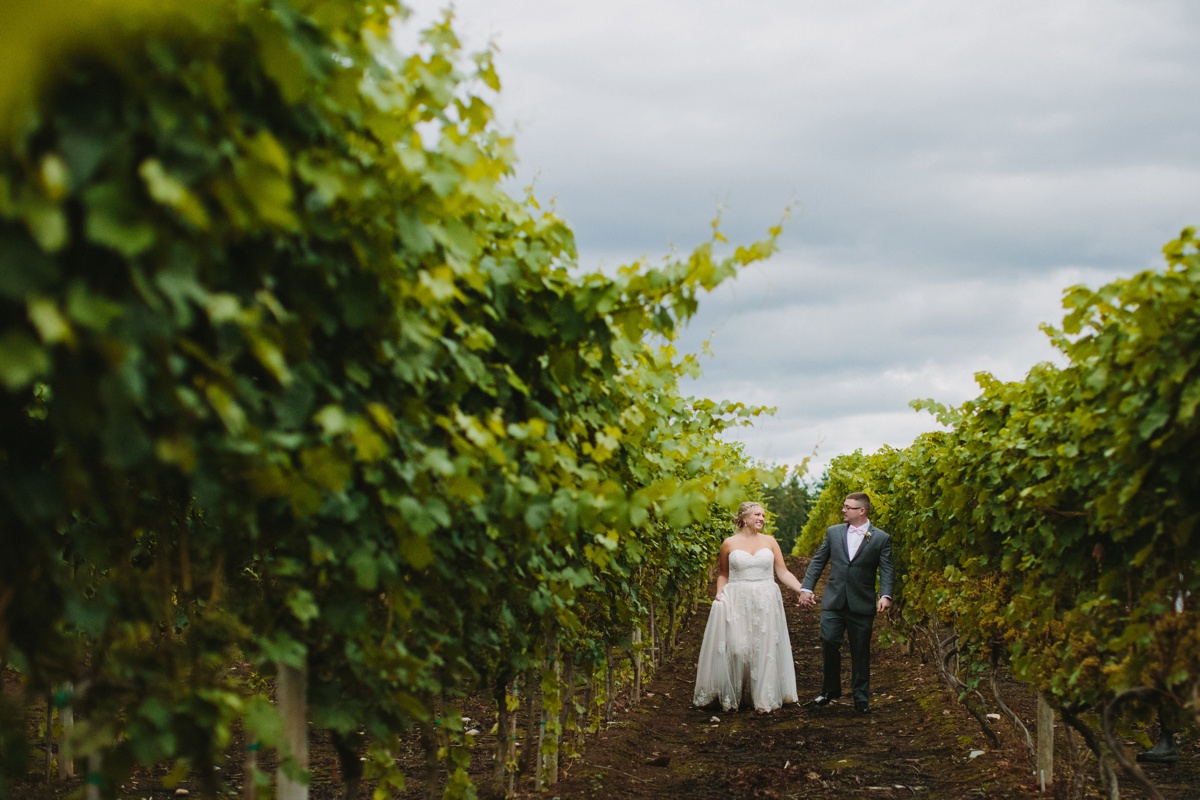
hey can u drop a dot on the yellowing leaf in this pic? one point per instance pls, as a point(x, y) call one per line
point(51, 325)
point(55, 177)
point(222, 307)
point(332, 419)
point(177, 450)
point(369, 445)
point(264, 177)
point(173, 193)
point(226, 407)
point(269, 480)
point(283, 63)
point(416, 551)
point(270, 355)
point(48, 225)
point(22, 360)
point(325, 467)
point(382, 417)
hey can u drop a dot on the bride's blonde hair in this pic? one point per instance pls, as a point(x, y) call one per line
point(739, 521)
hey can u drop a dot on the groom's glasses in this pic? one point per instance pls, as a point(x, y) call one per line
point(852, 508)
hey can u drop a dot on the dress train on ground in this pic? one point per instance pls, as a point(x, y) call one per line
point(746, 655)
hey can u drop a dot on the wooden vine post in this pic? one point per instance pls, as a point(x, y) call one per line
point(529, 750)
point(49, 734)
point(566, 714)
point(66, 721)
point(652, 628)
point(94, 779)
point(511, 767)
point(1045, 743)
point(507, 703)
point(249, 772)
point(503, 742)
point(636, 647)
point(291, 695)
point(608, 687)
point(548, 743)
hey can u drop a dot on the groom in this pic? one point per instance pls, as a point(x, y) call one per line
point(855, 551)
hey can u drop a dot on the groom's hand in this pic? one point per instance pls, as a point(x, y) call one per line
point(807, 599)
point(885, 603)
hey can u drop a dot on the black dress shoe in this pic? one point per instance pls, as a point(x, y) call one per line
point(824, 699)
point(862, 706)
point(1164, 752)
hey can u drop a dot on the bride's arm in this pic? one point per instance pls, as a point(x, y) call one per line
point(722, 569)
point(781, 571)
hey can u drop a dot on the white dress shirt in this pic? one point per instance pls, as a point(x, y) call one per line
point(855, 537)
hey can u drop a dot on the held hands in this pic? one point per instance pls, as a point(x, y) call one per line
point(810, 599)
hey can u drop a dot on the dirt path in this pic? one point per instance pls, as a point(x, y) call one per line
point(916, 742)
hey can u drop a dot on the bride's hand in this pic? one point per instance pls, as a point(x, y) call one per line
point(720, 596)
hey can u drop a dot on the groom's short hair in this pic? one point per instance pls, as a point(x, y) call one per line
point(862, 498)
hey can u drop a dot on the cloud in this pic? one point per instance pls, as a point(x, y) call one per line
point(842, 367)
point(951, 167)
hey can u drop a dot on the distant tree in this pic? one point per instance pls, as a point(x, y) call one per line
point(790, 503)
point(849, 472)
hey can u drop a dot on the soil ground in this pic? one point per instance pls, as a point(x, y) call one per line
point(918, 742)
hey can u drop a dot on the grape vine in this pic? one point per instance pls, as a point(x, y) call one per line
point(290, 379)
point(1053, 523)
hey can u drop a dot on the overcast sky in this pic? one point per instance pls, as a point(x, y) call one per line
point(952, 167)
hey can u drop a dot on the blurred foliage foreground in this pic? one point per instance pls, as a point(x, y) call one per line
point(289, 381)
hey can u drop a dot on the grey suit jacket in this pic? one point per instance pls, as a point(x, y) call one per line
point(852, 583)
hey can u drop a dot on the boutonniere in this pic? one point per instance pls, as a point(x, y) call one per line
point(867, 535)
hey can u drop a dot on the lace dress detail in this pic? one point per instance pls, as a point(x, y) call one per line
point(746, 656)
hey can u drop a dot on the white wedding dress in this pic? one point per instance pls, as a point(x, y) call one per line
point(746, 655)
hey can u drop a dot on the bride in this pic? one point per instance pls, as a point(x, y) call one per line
point(746, 655)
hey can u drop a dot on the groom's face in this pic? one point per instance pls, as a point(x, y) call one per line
point(854, 512)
